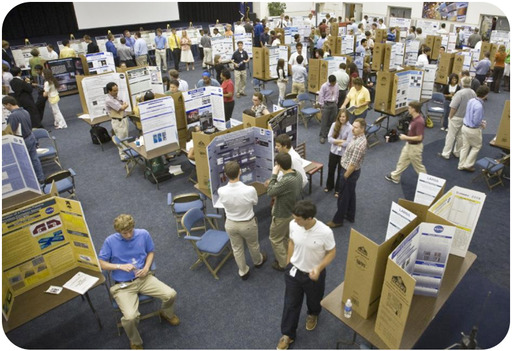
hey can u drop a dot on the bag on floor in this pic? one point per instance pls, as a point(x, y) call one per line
point(99, 134)
point(392, 136)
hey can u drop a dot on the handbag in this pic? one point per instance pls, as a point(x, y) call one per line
point(54, 99)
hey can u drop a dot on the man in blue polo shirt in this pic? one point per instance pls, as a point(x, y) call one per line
point(129, 254)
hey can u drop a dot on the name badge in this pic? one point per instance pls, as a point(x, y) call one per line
point(293, 271)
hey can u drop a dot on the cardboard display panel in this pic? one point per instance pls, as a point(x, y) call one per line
point(503, 133)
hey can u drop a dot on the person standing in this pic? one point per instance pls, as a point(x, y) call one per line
point(328, 100)
point(474, 38)
point(186, 52)
point(129, 254)
point(130, 41)
point(173, 74)
point(293, 57)
point(241, 224)
point(228, 92)
point(299, 77)
point(483, 67)
point(6, 56)
point(51, 92)
point(116, 109)
point(284, 144)
point(140, 49)
point(340, 135)
point(412, 152)
point(38, 83)
point(499, 68)
point(125, 54)
point(258, 30)
point(473, 124)
point(457, 112)
point(206, 43)
point(52, 55)
point(282, 79)
point(19, 120)
point(67, 51)
point(265, 37)
point(342, 79)
point(285, 193)
point(240, 58)
point(174, 45)
point(111, 47)
point(92, 47)
point(23, 94)
point(351, 162)
point(448, 91)
point(311, 249)
point(37, 60)
point(359, 98)
point(161, 50)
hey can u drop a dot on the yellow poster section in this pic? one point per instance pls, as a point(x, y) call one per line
point(42, 241)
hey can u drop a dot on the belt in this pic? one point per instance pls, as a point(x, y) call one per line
point(247, 220)
point(465, 125)
point(161, 49)
point(299, 271)
point(414, 142)
point(126, 281)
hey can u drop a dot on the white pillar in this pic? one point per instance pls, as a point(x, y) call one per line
point(261, 9)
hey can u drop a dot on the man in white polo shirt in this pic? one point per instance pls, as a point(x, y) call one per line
point(311, 249)
point(241, 224)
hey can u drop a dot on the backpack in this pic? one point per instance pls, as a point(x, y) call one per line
point(403, 123)
point(99, 135)
point(392, 136)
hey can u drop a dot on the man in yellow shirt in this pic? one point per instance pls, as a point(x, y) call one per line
point(67, 51)
point(359, 99)
point(174, 45)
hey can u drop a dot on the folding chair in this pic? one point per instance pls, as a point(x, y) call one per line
point(372, 129)
point(306, 108)
point(47, 147)
point(143, 300)
point(258, 85)
point(212, 242)
point(64, 181)
point(435, 107)
point(492, 171)
point(132, 158)
point(289, 100)
point(180, 204)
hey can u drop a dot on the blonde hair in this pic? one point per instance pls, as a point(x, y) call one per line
point(123, 223)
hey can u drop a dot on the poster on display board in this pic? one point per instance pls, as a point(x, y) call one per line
point(428, 27)
point(65, 71)
point(428, 188)
point(446, 11)
point(222, 46)
point(41, 241)
point(500, 37)
point(101, 41)
point(158, 120)
point(412, 48)
point(347, 44)
point(286, 123)
point(95, 92)
point(143, 79)
point(274, 54)
point(205, 107)
point(408, 87)
point(289, 34)
point(429, 78)
point(252, 148)
point(246, 38)
point(334, 63)
point(149, 38)
point(220, 26)
point(21, 54)
point(100, 62)
point(397, 52)
point(79, 45)
point(402, 23)
point(192, 33)
point(399, 218)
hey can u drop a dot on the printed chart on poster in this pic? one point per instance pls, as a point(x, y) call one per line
point(347, 44)
point(205, 107)
point(273, 57)
point(192, 33)
point(408, 88)
point(100, 62)
point(101, 41)
point(42, 241)
point(158, 120)
point(222, 46)
point(79, 45)
point(143, 79)
point(95, 92)
point(429, 78)
point(246, 38)
point(428, 27)
point(411, 52)
point(149, 38)
point(252, 148)
point(65, 71)
point(21, 54)
point(286, 123)
point(397, 53)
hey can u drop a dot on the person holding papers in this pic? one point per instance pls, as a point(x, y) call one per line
point(240, 58)
point(116, 109)
point(129, 254)
point(359, 99)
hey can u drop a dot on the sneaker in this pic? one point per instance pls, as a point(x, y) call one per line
point(277, 267)
point(263, 260)
point(136, 346)
point(388, 177)
point(237, 95)
point(245, 276)
point(284, 342)
point(311, 321)
point(441, 155)
point(174, 320)
point(331, 224)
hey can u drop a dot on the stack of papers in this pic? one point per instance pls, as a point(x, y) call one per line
point(80, 283)
point(175, 170)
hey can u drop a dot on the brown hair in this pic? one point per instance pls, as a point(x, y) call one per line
point(232, 169)
point(124, 222)
point(337, 123)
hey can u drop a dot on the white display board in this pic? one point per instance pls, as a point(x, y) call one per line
point(428, 27)
point(334, 63)
point(399, 217)
point(246, 38)
point(79, 45)
point(158, 120)
point(501, 38)
point(408, 88)
point(143, 79)
point(429, 77)
point(403, 23)
point(95, 92)
point(222, 46)
point(149, 38)
point(205, 107)
point(427, 189)
point(101, 62)
point(398, 53)
point(220, 26)
point(102, 41)
point(192, 32)
point(411, 52)
point(274, 53)
point(21, 54)
point(347, 44)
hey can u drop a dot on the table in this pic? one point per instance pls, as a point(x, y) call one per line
point(148, 155)
point(423, 308)
point(36, 302)
point(96, 122)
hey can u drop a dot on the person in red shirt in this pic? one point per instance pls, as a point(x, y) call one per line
point(228, 90)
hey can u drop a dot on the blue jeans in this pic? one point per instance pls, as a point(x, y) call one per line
point(347, 198)
point(31, 144)
point(352, 117)
point(296, 288)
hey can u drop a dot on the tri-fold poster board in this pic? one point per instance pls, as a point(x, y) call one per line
point(204, 107)
point(158, 120)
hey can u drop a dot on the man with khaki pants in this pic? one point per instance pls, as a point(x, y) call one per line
point(240, 59)
point(412, 152)
point(285, 193)
point(241, 224)
point(116, 109)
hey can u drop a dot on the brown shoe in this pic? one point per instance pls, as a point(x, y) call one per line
point(263, 260)
point(136, 346)
point(174, 320)
point(311, 321)
point(284, 342)
point(331, 224)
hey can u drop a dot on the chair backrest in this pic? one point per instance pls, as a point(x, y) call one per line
point(380, 119)
point(301, 150)
point(438, 97)
point(40, 133)
point(55, 177)
point(290, 96)
point(304, 97)
point(191, 217)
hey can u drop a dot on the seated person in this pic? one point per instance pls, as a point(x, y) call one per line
point(129, 253)
point(207, 80)
point(189, 148)
point(257, 105)
point(174, 87)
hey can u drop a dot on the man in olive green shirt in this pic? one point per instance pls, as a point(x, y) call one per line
point(285, 193)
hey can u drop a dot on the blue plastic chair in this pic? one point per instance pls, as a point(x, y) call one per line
point(306, 109)
point(491, 171)
point(258, 85)
point(212, 242)
point(435, 107)
point(180, 204)
point(131, 157)
point(47, 147)
point(64, 181)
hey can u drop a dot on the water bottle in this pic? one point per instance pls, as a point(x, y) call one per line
point(347, 311)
